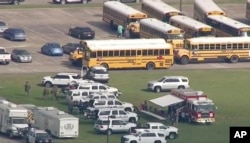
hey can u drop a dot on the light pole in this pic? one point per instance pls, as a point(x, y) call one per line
point(180, 5)
point(108, 127)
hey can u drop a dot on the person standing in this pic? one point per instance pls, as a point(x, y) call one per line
point(119, 31)
point(46, 92)
point(54, 92)
point(27, 88)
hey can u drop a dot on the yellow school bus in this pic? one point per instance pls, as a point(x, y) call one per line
point(128, 53)
point(159, 9)
point(248, 9)
point(226, 27)
point(192, 28)
point(232, 49)
point(116, 13)
point(205, 8)
point(154, 28)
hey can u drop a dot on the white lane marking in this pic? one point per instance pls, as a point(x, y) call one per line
point(65, 13)
point(89, 12)
point(37, 33)
point(56, 30)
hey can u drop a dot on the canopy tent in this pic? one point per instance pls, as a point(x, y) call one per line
point(165, 101)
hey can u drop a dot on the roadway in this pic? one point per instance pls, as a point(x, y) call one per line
point(51, 25)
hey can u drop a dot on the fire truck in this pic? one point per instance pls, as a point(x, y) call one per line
point(196, 107)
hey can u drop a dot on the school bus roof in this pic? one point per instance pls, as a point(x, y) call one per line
point(228, 21)
point(127, 44)
point(122, 8)
point(188, 22)
point(219, 40)
point(160, 6)
point(158, 25)
point(208, 6)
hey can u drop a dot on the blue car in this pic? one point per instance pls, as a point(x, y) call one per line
point(52, 49)
point(14, 34)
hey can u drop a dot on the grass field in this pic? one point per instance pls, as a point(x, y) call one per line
point(227, 88)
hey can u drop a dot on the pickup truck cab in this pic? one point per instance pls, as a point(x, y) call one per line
point(169, 131)
point(5, 57)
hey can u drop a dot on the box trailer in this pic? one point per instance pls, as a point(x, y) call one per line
point(56, 122)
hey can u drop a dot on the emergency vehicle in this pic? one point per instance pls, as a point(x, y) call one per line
point(13, 119)
point(195, 106)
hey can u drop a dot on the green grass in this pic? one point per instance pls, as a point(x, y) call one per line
point(227, 88)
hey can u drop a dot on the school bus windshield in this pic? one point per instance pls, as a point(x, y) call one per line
point(175, 36)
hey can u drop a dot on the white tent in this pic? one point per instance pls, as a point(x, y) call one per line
point(166, 101)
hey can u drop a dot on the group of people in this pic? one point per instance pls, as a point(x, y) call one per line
point(47, 91)
point(121, 32)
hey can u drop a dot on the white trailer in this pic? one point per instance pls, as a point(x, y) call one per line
point(56, 122)
point(13, 119)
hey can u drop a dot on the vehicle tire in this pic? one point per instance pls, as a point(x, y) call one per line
point(11, 38)
point(157, 89)
point(128, 110)
point(109, 132)
point(79, 36)
point(19, 60)
point(172, 136)
point(27, 141)
point(234, 59)
point(184, 60)
point(63, 1)
point(181, 87)
point(15, 2)
point(105, 65)
point(84, 1)
point(132, 120)
point(70, 33)
point(6, 63)
point(150, 66)
point(10, 135)
point(157, 141)
point(133, 142)
point(48, 84)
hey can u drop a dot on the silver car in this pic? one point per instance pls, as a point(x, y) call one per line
point(3, 27)
point(21, 55)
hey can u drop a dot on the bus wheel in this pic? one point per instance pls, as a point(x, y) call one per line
point(184, 60)
point(150, 66)
point(234, 59)
point(105, 65)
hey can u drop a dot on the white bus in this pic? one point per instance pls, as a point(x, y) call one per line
point(159, 9)
point(128, 53)
point(154, 28)
point(204, 8)
point(226, 26)
point(116, 13)
point(191, 27)
point(248, 9)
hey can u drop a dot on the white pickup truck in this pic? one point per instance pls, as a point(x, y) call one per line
point(5, 57)
point(169, 131)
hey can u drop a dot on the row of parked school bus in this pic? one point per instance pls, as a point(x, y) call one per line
point(167, 35)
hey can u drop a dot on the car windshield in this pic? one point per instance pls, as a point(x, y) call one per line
point(137, 134)
point(76, 77)
point(19, 121)
point(161, 79)
point(203, 108)
point(100, 71)
point(42, 135)
point(85, 29)
point(54, 45)
point(2, 24)
point(18, 31)
point(22, 52)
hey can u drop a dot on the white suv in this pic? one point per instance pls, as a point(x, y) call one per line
point(144, 137)
point(99, 87)
point(61, 79)
point(111, 103)
point(111, 125)
point(98, 73)
point(168, 82)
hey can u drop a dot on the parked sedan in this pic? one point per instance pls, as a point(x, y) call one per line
point(3, 27)
point(21, 55)
point(14, 34)
point(52, 49)
point(70, 47)
point(82, 32)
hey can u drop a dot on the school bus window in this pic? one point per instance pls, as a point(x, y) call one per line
point(150, 52)
point(167, 52)
point(133, 52)
point(194, 47)
point(111, 53)
point(235, 46)
point(105, 53)
point(223, 46)
point(116, 53)
point(201, 47)
point(156, 52)
point(122, 53)
point(217, 47)
point(212, 47)
point(128, 53)
point(144, 52)
point(245, 46)
point(138, 52)
point(206, 47)
point(99, 54)
point(93, 54)
point(240, 46)
point(229, 46)
point(161, 52)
